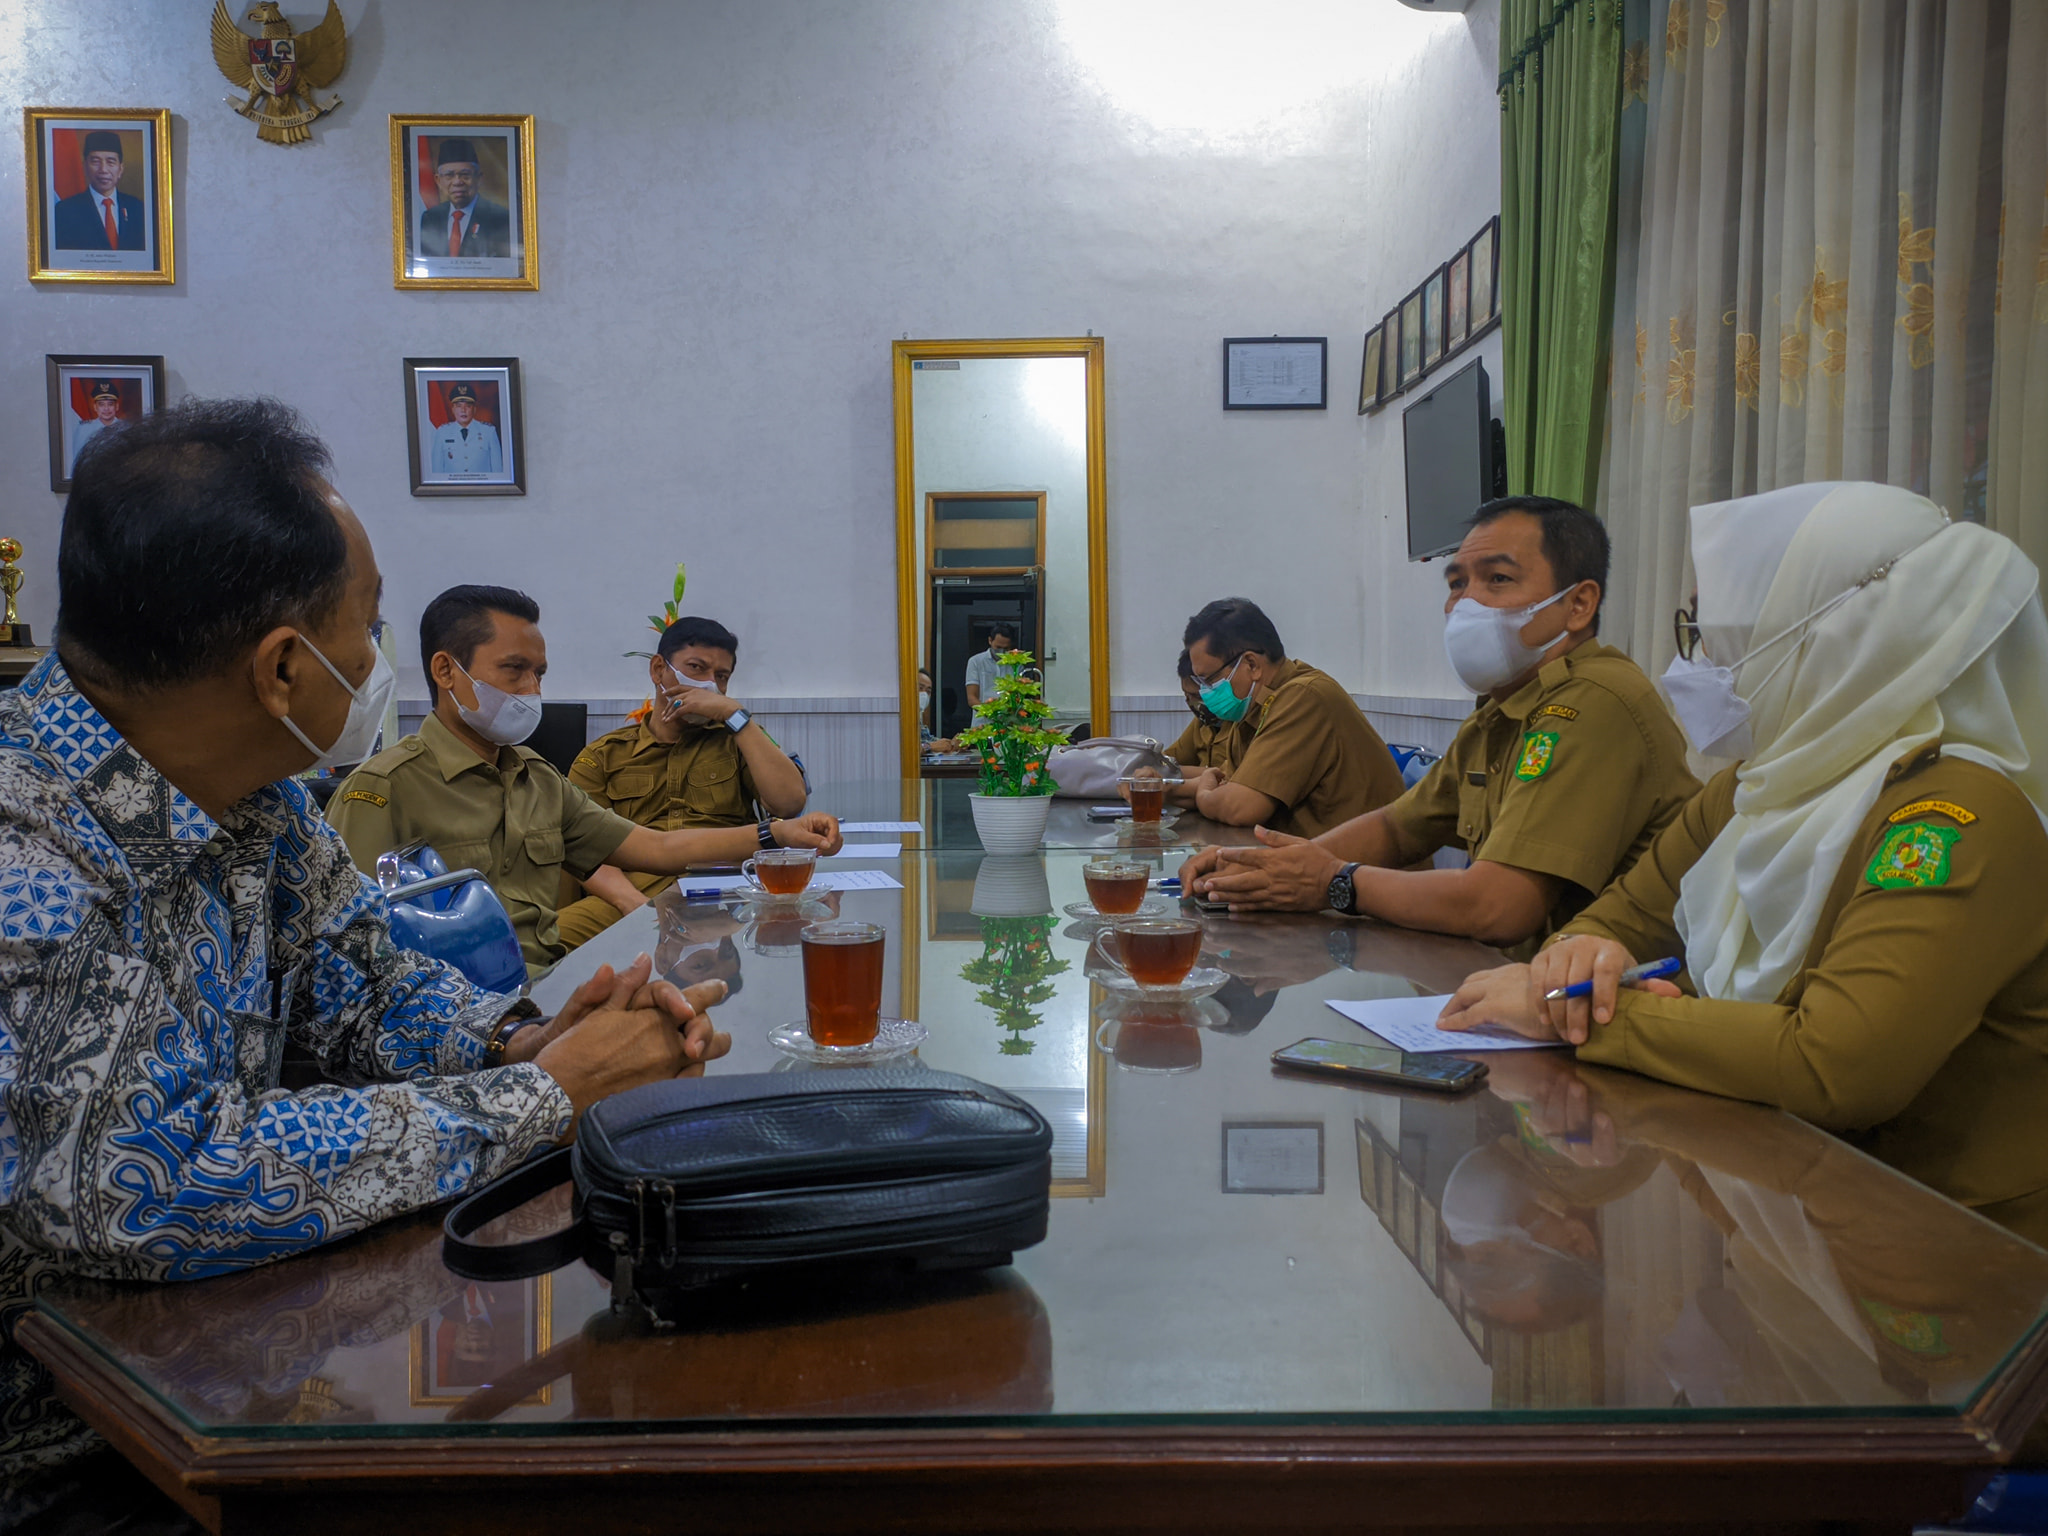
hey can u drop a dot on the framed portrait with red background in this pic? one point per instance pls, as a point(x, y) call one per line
point(462, 203)
point(99, 195)
point(90, 395)
point(464, 427)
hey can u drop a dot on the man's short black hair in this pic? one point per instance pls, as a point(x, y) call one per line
point(459, 620)
point(1184, 667)
point(1230, 626)
point(1007, 631)
point(1574, 540)
point(691, 630)
point(188, 536)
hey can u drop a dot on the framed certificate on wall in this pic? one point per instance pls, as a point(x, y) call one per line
point(1276, 373)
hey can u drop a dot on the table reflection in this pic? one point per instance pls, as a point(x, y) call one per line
point(1564, 1239)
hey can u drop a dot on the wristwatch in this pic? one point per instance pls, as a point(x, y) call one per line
point(1342, 897)
point(767, 831)
point(738, 721)
point(521, 1014)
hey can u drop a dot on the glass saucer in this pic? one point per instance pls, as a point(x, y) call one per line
point(761, 896)
point(1200, 982)
point(1151, 906)
point(1167, 817)
point(1202, 1013)
point(894, 1038)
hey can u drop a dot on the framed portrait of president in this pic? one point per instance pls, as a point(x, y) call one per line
point(462, 203)
point(99, 195)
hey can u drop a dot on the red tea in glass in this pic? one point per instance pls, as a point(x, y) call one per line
point(1158, 1045)
point(781, 871)
point(1147, 794)
point(1116, 889)
point(1153, 954)
point(843, 982)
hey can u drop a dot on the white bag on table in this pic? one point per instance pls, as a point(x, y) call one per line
point(1089, 770)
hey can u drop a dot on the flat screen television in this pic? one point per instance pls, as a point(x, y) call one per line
point(1448, 444)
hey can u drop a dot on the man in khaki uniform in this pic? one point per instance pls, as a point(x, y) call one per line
point(697, 760)
point(1206, 741)
point(1299, 755)
point(1558, 780)
point(464, 784)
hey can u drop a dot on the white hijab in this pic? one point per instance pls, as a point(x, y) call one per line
point(1950, 642)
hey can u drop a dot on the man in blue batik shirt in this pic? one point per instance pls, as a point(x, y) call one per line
point(173, 910)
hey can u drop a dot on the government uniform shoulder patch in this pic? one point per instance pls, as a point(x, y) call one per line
point(1948, 808)
point(366, 797)
point(1912, 857)
point(1562, 711)
point(1538, 750)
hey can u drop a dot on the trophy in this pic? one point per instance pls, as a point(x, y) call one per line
point(12, 630)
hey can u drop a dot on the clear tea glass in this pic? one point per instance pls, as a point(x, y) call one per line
point(1116, 887)
point(1153, 952)
point(1147, 793)
point(843, 982)
point(781, 871)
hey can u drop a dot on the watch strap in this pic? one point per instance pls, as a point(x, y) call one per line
point(767, 831)
point(1342, 883)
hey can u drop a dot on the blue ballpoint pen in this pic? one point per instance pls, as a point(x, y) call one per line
point(1650, 970)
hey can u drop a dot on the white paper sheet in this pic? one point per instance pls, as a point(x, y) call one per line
point(850, 827)
point(841, 880)
point(864, 851)
point(1409, 1024)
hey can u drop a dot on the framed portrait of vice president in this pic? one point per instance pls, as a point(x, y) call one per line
point(462, 203)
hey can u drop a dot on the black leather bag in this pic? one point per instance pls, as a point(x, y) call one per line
point(706, 1180)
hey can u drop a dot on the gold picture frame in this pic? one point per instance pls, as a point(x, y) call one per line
point(140, 198)
point(506, 219)
point(530, 1304)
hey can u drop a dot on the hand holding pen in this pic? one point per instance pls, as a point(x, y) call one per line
point(1575, 983)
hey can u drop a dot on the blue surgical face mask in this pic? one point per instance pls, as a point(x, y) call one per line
point(1221, 700)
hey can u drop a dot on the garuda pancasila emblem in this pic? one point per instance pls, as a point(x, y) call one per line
point(279, 69)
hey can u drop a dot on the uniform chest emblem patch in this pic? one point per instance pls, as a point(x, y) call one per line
point(1538, 748)
point(366, 797)
point(1912, 857)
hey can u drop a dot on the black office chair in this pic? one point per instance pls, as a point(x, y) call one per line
point(564, 730)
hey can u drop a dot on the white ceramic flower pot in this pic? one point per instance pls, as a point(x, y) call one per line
point(1010, 823)
point(1011, 885)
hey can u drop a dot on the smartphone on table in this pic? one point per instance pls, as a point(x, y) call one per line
point(1381, 1064)
point(1109, 812)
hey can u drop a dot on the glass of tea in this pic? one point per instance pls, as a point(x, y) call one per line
point(1146, 791)
point(1153, 952)
point(1116, 887)
point(781, 871)
point(843, 982)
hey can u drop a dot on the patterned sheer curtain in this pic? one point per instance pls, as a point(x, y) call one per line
point(1833, 265)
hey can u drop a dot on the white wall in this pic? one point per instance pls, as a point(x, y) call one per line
point(741, 204)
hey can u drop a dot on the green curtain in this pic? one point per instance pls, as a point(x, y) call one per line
point(1561, 96)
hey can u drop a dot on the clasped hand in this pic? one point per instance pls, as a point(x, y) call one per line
point(1283, 874)
point(620, 1030)
point(813, 829)
point(1512, 997)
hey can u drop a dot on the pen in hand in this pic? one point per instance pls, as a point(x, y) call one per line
point(1649, 970)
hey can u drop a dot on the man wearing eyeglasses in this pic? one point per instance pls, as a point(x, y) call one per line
point(1554, 785)
point(697, 759)
point(1301, 757)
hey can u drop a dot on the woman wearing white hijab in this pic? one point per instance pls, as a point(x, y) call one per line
point(1859, 903)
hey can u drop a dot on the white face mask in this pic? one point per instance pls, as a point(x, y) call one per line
point(1485, 644)
point(710, 684)
point(366, 706)
point(501, 717)
point(924, 702)
point(1714, 717)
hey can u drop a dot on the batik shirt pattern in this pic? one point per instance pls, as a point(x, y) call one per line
point(153, 964)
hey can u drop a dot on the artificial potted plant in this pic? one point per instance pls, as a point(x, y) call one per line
point(1009, 735)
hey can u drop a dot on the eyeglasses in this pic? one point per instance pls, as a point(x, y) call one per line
point(1685, 630)
point(1222, 671)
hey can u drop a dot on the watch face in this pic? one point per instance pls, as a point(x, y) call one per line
point(1340, 892)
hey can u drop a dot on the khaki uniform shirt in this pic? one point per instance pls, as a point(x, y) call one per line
point(1572, 777)
point(1202, 746)
point(701, 781)
point(518, 820)
point(1310, 748)
point(1917, 1025)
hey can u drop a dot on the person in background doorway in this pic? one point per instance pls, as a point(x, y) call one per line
point(927, 742)
point(983, 667)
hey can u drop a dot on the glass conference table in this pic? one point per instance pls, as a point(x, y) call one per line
point(1574, 1299)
